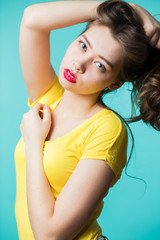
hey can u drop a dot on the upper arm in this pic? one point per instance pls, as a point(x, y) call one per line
point(34, 47)
point(84, 190)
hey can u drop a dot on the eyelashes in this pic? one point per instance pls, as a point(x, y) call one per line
point(103, 69)
point(82, 43)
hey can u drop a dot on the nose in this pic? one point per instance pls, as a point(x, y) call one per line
point(78, 67)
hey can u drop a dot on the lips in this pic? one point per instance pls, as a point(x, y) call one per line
point(69, 76)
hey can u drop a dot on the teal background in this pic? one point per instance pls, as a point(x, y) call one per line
point(129, 212)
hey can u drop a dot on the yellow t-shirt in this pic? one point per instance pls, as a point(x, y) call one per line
point(102, 136)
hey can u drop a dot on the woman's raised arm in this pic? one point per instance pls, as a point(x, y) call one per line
point(54, 15)
point(37, 22)
point(150, 24)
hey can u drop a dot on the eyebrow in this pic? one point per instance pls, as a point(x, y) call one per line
point(108, 62)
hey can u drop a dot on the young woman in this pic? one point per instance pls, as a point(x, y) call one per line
point(73, 148)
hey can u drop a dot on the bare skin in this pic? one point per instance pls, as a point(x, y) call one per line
point(79, 99)
point(60, 127)
point(90, 78)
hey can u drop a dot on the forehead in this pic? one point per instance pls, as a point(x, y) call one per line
point(103, 43)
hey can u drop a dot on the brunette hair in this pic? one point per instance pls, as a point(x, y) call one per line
point(141, 63)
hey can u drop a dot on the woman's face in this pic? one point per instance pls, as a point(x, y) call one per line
point(95, 59)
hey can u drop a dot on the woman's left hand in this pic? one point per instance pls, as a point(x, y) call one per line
point(33, 127)
point(150, 24)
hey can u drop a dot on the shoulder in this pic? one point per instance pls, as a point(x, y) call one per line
point(106, 130)
point(107, 122)
point(107, 140)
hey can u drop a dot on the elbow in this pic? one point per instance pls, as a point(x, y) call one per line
point(52, 229)
point(41, 235)
point(44, 233)
point(29, 16)
point(53, 236)
point(58, 235)
point(57, 238)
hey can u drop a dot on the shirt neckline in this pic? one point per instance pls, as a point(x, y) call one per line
point(79, 126)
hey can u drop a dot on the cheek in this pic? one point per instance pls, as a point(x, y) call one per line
point(103, 81)
point(72, 51)
point(94, 80)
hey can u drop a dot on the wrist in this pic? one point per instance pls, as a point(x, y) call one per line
point(94, 11)
point(34, 145)
point(34, 154)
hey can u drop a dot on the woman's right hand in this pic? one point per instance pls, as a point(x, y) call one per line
point(150, 24)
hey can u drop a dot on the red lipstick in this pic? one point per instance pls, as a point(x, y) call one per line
point(69, 75)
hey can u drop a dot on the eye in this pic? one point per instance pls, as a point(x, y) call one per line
point(102, 68)
point(82, 44)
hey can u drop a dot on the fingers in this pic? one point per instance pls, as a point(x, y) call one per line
point(154, 37)
point(158, 44)
point(38, 106)
point(46, 113)
point(154, 40)
point(42, 110)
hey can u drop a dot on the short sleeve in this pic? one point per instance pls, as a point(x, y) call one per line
point(54, 92)
point(108, 141)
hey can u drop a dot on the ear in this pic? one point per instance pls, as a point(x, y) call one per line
point(116, 85)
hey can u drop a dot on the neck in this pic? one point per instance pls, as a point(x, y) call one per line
point(76, 105)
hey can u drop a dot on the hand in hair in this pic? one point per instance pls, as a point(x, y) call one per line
point(150, 24)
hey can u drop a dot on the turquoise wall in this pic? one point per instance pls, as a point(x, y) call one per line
point(129, 212)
